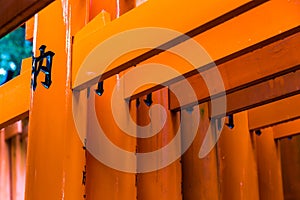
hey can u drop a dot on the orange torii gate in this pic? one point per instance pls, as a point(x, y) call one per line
point(255, 50)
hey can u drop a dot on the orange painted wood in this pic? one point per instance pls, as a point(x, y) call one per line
point(260, 94)
point(164, 183)
point(238, 175)
point(15, 96)
point(5, 181)
point(141, 17)
point(287, 129)
point(18, 148)
point(263, 64)
point(104, 182)
point(55, 155)
point(16, 12)
point(268, 165)
point(290, 164)
point(274, 113)
point(13, 149)
point(199, 176)
point(232, 41)
point(115, 8)
point(13, 130)
point(29, 29)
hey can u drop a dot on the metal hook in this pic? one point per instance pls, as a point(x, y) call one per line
point(137, 102)
point(258, 132)
point(189, 110)
point(148, 101)
point(99, 91)
point(230, 123)
point(219, 124)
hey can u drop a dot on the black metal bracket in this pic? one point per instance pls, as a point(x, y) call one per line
point(230, 123)
point(137, 102)
point(84, 176)
point(258, 132)
point(189, 109)
point(148, 101)
point(37, 66)
point(100, 90)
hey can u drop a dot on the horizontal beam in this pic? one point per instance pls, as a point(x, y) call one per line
point(201, 16)
point(264, 64)
point(15, 96)
point(287, 129)
point(227, 41)
point(16, 12)
point(13, 129)
point(263, 93)
point(274, 113)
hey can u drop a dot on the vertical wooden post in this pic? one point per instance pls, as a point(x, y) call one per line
point(237, 164)
point(163, 183)
point(18, 159)
point(290, 164)
point(55, 154)
point(268, 166)
point(104, 182)
point(4, 167)
point(199, 176)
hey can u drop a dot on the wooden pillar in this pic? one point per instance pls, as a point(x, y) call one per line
point(4, 168)
point(268, 165)
point(104, 182)
point(164, 183)
point(199, 176)
point(290, 164)
point(55, 154)
point(237, 164)
point(18, 147)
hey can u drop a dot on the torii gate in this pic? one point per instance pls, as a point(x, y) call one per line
point(258, 61)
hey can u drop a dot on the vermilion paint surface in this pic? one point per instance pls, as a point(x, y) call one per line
point(55, 155)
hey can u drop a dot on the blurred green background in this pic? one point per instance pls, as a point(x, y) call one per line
point(13, 48)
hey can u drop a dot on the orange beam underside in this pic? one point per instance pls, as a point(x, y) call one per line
point(274, 113)
point(286, 129)
point(13, 130)
point(256, 69)
point(195, 12)
point(232, 39)
point(263, 93)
